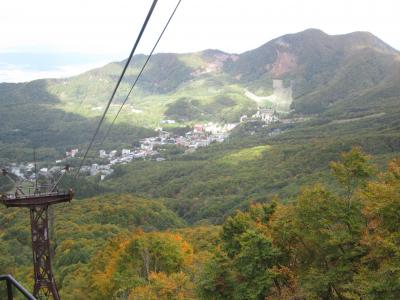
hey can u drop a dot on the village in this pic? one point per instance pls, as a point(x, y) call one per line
point(202, 135)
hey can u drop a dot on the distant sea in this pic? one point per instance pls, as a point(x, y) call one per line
point(20, 67)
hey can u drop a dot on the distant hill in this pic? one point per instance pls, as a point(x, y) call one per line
point(322, 69)
point(333, 92)
point(310, 72)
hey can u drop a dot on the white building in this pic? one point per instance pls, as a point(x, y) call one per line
point(112, 153)
point(102, 153)
point(43, 171)
point(125, 152)
point(30, 167)
point(168, 121)
point(203, 143)
point(94, 170)
point(213, 128)
point(243, 118)
point(148, 146)
point(268, 115)
point(71, 153)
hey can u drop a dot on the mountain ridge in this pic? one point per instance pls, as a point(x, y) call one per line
point(325, 76)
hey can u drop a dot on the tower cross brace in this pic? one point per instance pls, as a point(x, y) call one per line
point(44, 279)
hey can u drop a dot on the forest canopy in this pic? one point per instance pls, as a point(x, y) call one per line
point(332, 242)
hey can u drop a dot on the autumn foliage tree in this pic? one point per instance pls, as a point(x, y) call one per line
point(379, 276)
point(148, 263)
point(336, 242)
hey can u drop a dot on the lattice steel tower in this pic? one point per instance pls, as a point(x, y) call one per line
point(38, 200)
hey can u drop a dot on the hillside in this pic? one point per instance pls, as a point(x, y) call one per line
point(309, 72)
point(80, 231)
point(344, 87)
point(323, 74)
point(332, 240)
point(169, 228)
point(213, 182)
point(319, 69)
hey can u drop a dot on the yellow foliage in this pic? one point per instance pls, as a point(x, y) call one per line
point(176, 286)
point(101, 279)
point(247, 154)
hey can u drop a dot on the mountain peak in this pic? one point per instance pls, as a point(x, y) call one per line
point(314, 31)
point(365, 39)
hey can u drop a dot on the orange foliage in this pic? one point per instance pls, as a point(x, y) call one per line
point(162, 286)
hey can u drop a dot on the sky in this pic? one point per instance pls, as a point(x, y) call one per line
point(77, 35)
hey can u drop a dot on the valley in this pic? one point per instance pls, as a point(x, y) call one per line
point(218, 159)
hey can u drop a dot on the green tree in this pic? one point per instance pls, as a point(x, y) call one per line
point(217, 280)
point(244, 267)
point(380, 272)
point(353, 170)
point(327, 233)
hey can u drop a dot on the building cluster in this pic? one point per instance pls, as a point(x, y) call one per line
point(26, 171)
point(127, 155)
point(71, 153)
point(202, 135)
point(266, 115)
point(97, 169)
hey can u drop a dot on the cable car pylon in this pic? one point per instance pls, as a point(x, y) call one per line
point(37, 200)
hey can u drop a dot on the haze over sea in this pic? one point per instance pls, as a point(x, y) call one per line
point(26, 66)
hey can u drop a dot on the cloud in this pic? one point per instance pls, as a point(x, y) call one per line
point(105, 26)
point(18, 73)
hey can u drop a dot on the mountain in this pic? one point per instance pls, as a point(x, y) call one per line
point(345, 88)
point(339, 78)
point(123, 237)
point(321, 69)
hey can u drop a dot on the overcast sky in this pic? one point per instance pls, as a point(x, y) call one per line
point(104, 30)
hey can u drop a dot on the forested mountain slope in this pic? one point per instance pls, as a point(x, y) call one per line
point(332, 243)
point(152, 229)
point(342, 76)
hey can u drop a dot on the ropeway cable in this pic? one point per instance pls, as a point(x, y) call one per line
point(117, 85)
point(140, 73)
